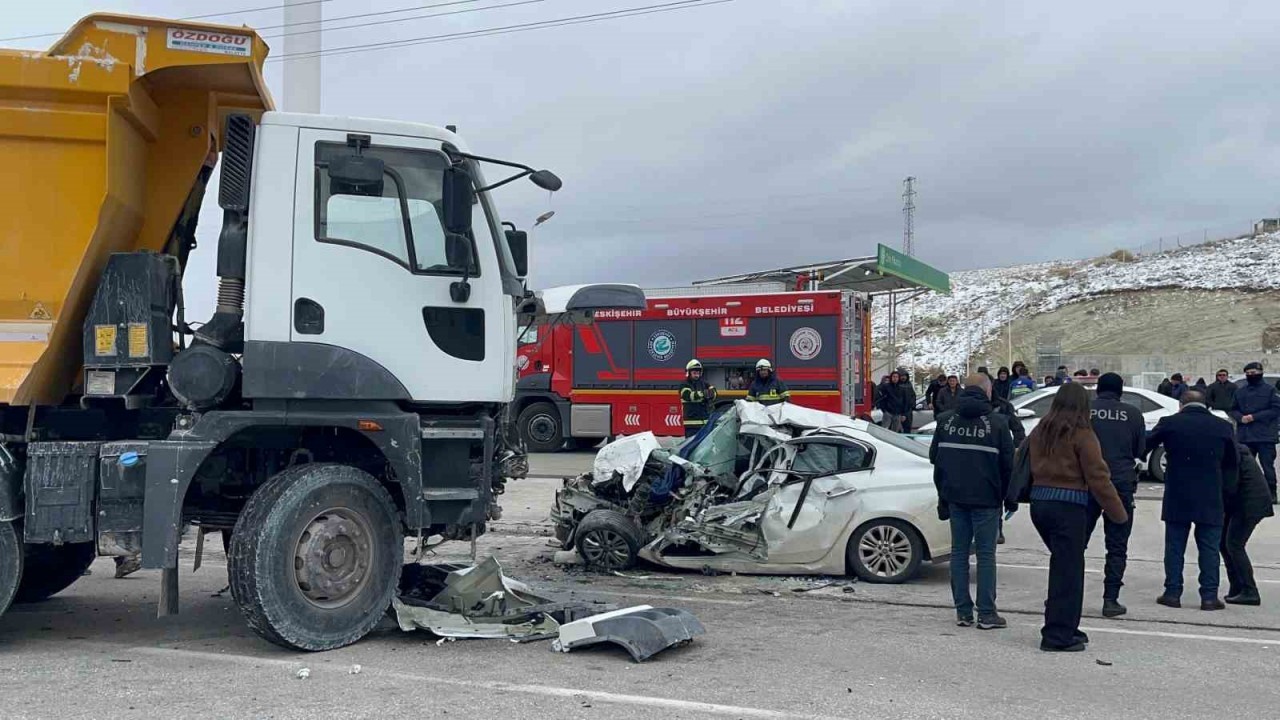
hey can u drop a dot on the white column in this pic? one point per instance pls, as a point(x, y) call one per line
point(301, 75)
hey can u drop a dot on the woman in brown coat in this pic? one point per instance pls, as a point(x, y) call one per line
point(1066, 469)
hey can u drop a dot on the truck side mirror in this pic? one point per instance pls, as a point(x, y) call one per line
point(456, 198)
point(457, 252)
point(356, 175)
point(518, 243)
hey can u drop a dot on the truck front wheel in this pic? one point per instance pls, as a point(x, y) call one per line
point(316, 556)
point(49, 569)
point(10, 563)
point(541, 428)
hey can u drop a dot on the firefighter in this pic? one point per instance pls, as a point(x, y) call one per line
point(696, 397)
point(766, 388)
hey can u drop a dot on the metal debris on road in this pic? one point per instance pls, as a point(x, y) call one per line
point(1104, 663)
point(355, 670)
point(304, 673)
point(643, 631)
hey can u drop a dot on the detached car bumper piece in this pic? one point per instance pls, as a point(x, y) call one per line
point(642, 630)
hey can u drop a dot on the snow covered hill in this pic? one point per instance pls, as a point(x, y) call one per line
point(949, 328)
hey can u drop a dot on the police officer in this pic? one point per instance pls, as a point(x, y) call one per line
point(1256, 410)
point(1122, 435)
point(766, 388)
point(697, 397)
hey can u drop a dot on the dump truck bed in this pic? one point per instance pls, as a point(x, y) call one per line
point(102, 139)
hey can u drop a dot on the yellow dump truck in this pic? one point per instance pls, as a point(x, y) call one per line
point(350, 389)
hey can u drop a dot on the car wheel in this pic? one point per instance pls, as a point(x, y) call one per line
point(608, 540)
point(885, 551)
point(316, 556)
point(1157, 465)
point(50, 569)
point(540, 428)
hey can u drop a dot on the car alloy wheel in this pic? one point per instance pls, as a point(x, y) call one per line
point(885, 550)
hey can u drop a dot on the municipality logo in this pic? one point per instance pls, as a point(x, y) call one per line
point(662, 346)
point(806, 343)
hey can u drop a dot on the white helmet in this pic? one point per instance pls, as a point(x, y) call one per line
point(764, 365)
point(692, 365)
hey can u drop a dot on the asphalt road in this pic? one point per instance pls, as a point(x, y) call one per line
point(98, 651)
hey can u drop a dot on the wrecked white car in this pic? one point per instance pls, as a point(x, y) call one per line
point(762, 490)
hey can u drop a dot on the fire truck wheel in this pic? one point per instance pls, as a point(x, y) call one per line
point(540, 427)
point(10, 563)
point(316, 556)
point(49, 569)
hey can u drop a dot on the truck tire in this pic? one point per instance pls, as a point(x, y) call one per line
point(49, 569)
point(316, 556)
point(885, 551)
point(608, 540)
point(540, 427)
point(11, 560)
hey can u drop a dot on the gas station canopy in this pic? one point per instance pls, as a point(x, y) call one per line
point(889, 271)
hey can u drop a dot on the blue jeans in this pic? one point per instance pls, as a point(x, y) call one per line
point(974, 526)
point(1208, 540)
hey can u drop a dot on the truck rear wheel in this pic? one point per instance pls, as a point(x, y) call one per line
point(11, 558)
point(49, 569)
point(541, 428)
point(316, 556)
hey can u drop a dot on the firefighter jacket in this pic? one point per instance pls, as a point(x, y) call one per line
point(768, 392)
point(697, 397)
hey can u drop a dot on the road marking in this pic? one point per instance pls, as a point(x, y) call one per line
point(543, 690)
point(1040, 567)
point(1184, 636)
point(680, 598)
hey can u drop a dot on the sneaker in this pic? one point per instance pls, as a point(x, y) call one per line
point(1250, 598)
point(1112, 608)
point(1081, 637)
point(1169, 601)
point(1212, 604)
point(964, 620)
point(992, 622)
point(1078, 647)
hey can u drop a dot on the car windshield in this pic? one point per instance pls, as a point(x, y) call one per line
point(719, 448)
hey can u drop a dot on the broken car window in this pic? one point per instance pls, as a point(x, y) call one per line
point(817, 459)
point(718, 451)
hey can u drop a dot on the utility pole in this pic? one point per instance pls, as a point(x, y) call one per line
point(909, 216)
point(302, 74)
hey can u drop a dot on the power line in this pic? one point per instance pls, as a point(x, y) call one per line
point(358, 16)
point(521, 27)
point(398, 20)
point(245, 11)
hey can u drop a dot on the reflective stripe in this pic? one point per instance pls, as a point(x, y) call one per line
point(960, 446)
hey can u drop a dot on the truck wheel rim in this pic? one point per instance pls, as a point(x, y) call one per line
point(605, 548)
point(885, 550)
point(542, 428)
point(333, 557)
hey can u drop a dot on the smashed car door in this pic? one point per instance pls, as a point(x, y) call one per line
point(814, 499)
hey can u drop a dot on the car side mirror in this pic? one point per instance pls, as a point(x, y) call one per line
point(1026, 413)
point(457, 195)
point(518, 243)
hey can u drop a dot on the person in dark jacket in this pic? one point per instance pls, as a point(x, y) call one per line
point(1201, 386)
point(1000, 388)
point(935, 385)
point(1202, 469)
point(947, 397)
point(1176, 386)
point(1256, 410)
point(972, 456)
point(1067, 470)
point(891, 407)
point(1165, 388)
point(1245, 508)
point(766, 388)
point(908, 399)
point(697, 397)
point(1222, 393)
point(1122, 434)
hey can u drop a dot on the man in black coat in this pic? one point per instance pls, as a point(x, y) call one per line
point(934, 386)
point(1256, 410)
point(1222, 393)
point(908, 399)
point(1122, 434)
point(892, 403)
point(1245, 508)
point(947, 397)
point(972, 456)
point(1202, 469)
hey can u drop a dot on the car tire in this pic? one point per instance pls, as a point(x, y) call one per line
point(49, 569)
point(885, 551)
point(1156, 465)
point(11, 561)
point(540, 428)
point(284, 577)
point(608, 540)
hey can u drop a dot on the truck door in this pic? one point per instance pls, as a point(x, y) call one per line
point(361, 284)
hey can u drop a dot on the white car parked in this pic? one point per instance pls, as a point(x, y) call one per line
point(768, 490)
point(1035, 405)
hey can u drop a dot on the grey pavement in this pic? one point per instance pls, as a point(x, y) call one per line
point(98, 651)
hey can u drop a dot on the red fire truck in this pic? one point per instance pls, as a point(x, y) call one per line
point(620, 374)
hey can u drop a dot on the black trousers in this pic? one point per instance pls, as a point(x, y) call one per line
point(1116, 536)
point(1061, 526)
point(1235, 536)
point(1266, 454)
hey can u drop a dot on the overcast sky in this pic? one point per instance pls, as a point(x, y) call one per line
point(762, 133)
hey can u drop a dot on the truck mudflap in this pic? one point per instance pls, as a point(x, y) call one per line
point(642, 631)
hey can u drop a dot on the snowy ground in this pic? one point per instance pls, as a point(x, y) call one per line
point(948, 328)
